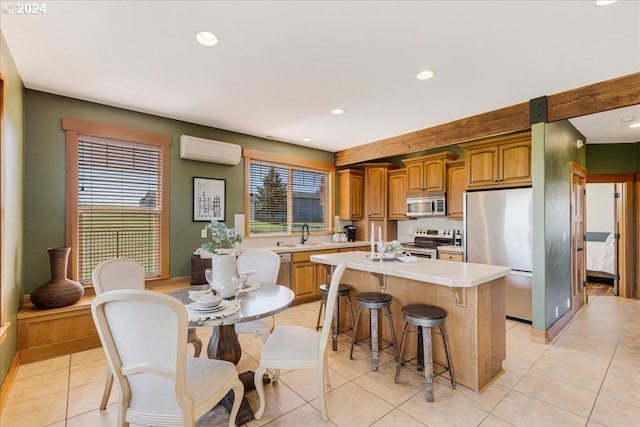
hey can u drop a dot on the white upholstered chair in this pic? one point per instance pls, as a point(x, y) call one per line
point(267, 266)
point(298, 347)
point(125, 273)
point(144, 335)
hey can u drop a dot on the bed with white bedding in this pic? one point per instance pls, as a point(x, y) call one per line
point(601, 255)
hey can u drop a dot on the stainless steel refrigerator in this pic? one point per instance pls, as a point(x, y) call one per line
point(498, 231)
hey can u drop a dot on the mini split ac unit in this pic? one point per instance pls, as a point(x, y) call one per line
point(207, 150)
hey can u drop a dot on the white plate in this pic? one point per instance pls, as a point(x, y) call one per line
point(195, 307)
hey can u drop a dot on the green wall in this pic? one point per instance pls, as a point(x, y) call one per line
point(613, 158)
point(44, 219)
point(12, 176)
point(554, 147)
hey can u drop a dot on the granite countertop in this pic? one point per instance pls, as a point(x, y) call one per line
point(439, 272)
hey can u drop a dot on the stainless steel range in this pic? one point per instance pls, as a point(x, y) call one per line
point(426, 241)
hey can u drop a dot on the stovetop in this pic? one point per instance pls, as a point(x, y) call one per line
point(433, 237)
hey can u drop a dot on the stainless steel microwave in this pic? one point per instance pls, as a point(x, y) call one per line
point(426, 205)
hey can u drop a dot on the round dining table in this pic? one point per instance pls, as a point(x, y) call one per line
point(265, 301)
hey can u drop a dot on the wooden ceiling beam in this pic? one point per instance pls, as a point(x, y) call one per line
point(595, 98)
point(603, 96)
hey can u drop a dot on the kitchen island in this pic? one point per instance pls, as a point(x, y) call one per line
point(473, 296)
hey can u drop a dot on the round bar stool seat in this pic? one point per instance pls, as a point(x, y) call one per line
point(374, 301)
point(344, 291)
point(426, 317)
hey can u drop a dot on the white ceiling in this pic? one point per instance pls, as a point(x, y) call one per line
point(281, 67)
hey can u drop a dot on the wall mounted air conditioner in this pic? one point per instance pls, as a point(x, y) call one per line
point(207, 150)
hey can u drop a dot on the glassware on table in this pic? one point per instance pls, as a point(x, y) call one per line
point(208, 275)
point(240, 280)
point(381, 249)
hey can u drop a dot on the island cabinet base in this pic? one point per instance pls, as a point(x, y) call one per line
point(475, 323)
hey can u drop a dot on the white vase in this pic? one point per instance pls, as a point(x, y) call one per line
point(224, 271)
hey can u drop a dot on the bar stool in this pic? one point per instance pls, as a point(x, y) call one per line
point(374, 301)
point(426, 317)
point(343, 292)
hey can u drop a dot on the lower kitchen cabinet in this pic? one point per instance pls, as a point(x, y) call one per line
point(450, 256)
point(307, 276)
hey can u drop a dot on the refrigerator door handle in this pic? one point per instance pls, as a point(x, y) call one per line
point(522, 273)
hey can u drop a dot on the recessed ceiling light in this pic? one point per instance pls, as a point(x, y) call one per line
point(306, 139)
point(605, 2)
point(205, 38)
point(635, 125)
point(337, 111)
point(425, 75)
point(627, 119)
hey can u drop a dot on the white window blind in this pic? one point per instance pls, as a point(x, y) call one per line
point(119, 209)
point(283, 198)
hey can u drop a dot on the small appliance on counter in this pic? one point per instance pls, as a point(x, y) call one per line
point(351, 233)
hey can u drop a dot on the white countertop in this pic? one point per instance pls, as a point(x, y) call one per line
point(321, 246)
point(446, 273)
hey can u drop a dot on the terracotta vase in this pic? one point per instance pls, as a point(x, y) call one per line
point(59, 291)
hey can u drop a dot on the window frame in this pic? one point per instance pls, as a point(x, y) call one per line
point(75, 128)
point(4, 325)
point(287, 161)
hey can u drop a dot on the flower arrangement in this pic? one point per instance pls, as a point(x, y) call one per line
point(393, 247)
point(223, 239)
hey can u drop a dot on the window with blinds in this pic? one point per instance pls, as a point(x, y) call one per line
point(118, 209)
point(117, 201)
point(282, 198)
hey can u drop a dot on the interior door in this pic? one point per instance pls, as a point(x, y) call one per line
point(578, 233)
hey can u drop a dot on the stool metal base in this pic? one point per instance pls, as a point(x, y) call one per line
point(374, 301)
point(425, 317)
point(343, 292)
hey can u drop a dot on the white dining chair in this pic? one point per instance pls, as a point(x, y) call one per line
point(122, 273)
point(266, 265)
point(144, 335)
point(298, 347)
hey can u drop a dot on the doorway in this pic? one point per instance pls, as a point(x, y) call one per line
point(578, 231)
point(623, 252)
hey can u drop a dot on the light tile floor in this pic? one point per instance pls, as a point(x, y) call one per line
point(589, 376)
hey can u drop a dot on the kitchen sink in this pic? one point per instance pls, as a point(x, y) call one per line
point(298, 245)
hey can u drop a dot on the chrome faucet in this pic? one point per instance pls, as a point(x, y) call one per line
point(303, 238)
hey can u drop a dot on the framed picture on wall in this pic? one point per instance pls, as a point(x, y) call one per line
point(209, 199)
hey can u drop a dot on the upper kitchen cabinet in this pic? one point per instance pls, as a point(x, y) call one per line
point(376, 189)
point(499, 162)
point(376, 208)
point(426, 174)
point(351, 191)
point(398, 194)
point(456, 184)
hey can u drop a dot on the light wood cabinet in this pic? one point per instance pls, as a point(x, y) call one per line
point(307, 276)
point(456, 185)
point(450, 256)
point(376, 208)
point(499, 162)
point(398, 194)
point(376, 188)
point(426, 174)
point(350, 191)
